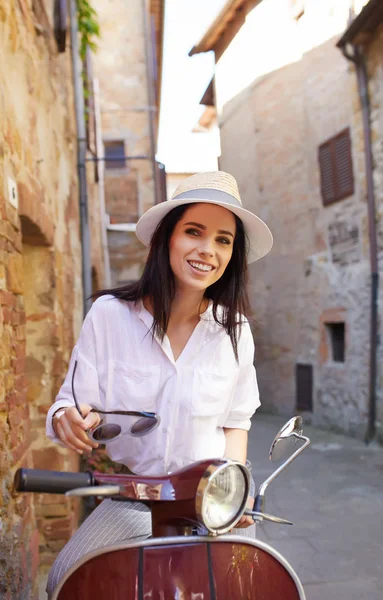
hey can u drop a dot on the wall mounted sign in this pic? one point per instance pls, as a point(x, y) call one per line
point(344, 242)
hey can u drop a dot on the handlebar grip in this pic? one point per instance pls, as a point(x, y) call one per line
point(50, 482)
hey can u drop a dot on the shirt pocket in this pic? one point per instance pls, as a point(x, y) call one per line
point(212, 392)
point(134, 387)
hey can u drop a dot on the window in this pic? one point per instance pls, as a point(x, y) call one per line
point(115, 155)
point(336, 332)
point(335, 163)
point(304, 387)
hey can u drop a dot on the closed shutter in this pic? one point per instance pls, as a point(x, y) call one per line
point(335, 163)
point(304, 387)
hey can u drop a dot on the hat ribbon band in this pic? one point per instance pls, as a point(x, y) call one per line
point(209, 194)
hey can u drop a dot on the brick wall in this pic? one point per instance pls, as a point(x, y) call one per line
point(40, 283)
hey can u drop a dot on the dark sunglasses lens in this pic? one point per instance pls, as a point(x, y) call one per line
point(106, 433)
point(143, 425)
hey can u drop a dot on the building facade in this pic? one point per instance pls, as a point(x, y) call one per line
point(128, 65)
point(292, 133)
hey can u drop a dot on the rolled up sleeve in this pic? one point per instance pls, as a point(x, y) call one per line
point(246, 396)
point(86, 384)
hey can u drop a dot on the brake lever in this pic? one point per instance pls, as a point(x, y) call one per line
point(98, 490)
point(259, 516)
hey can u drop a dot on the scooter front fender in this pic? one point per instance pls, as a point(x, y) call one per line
point(182, 568)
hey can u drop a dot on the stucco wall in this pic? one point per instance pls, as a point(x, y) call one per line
point(270, 135)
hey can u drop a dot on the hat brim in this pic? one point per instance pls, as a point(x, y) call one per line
point(259, 235)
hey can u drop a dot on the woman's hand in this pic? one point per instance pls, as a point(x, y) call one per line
point(246, 520)
point(71, 428)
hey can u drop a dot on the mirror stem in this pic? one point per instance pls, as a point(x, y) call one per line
point(259, 502)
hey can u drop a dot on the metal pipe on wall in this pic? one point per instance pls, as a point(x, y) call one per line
point(101, 188)
point(357, 57)
point(151, 94)
point(81, 156)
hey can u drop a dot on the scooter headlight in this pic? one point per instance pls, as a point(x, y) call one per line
point(222, 495)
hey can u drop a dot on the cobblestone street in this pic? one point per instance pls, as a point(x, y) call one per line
point(333, 493)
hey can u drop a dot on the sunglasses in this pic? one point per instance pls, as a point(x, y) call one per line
point(108, 432)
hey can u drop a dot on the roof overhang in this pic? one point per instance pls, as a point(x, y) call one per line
point(224, 27)
point(361, 28)
point(208, 98)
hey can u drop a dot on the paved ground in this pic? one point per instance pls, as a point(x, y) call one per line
point(333, 493)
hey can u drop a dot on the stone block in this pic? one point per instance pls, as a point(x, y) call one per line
point(15, 274)
point(7, 299)
point(58, 529)
point(48, 458)
point(51, 510)
point(3, 279)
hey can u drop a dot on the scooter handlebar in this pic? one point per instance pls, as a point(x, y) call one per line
point(50, 482)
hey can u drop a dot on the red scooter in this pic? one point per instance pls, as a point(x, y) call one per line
point(178, 562)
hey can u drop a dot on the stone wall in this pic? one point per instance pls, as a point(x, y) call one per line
point(40, 283)
point(318, 271)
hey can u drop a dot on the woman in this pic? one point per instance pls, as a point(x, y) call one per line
point(176, 343)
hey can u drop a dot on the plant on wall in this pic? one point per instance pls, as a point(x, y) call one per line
point(88, 27)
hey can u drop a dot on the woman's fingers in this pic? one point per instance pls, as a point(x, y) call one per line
point(80, 425)
point(60, 429)
point(92, 420)
point(72, 427)
point(72, 431)
point(74, 435)
point(245, 521)
point(74, 416)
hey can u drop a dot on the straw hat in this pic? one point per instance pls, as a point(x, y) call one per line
point(218, 188)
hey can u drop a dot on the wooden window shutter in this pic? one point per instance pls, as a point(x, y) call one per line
point(335, 163)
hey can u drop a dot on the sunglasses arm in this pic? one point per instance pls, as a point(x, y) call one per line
point(127, 413)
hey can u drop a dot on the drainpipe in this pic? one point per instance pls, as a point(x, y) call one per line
point(151, 94)
point(356, 56)
point(101, 188)
point(81, 156)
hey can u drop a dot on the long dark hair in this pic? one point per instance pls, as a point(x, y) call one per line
point(229, 294)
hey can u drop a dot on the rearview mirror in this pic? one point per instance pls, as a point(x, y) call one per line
point(286, 439)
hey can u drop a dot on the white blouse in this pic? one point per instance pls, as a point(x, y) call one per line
point(120, 366)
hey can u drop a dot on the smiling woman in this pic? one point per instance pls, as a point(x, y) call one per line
point(199, 251)
point(194, 369)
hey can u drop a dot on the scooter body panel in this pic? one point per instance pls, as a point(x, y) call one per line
point(180, 568)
